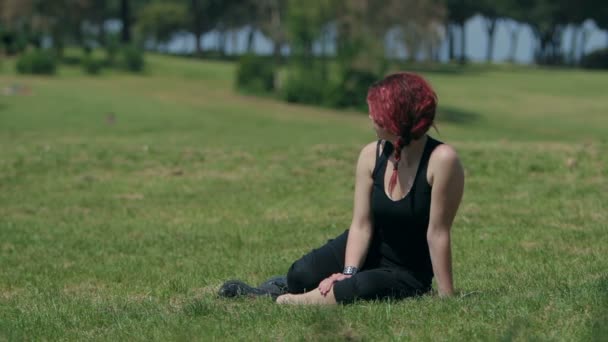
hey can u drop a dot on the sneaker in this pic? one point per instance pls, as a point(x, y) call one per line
point(275, 286)
point(237, 288)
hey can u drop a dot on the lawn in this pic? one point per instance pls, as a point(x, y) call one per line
point(126, 201)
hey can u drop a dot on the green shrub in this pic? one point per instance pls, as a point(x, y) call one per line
point(255, 74)
point(132, 58)
point(307, 87)
point(597, 59)
point(13, 42)
point(39, 62)
point(91, 65)
point(112, 47)
point(71, 60)
point(351, 91)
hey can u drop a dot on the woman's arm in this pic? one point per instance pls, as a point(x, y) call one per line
point(360, 232)
point(448, 185)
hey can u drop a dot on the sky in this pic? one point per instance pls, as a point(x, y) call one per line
point(476, 40)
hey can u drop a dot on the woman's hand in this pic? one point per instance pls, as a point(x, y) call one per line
point(327, 284)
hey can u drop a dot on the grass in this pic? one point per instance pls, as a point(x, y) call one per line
point(125, 202)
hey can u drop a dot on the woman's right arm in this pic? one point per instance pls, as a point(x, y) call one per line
point(360, 232)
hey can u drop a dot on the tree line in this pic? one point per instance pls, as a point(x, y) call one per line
point(419, 25)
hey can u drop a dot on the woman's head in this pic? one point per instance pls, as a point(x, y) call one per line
point(402, 104)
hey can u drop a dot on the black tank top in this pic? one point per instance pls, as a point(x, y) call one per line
point(400, 226)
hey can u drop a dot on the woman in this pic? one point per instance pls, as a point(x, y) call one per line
point(399, 237)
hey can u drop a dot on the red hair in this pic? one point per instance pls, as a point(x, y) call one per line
point(403, 104)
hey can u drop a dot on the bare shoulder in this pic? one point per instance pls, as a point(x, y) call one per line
point(444, 161)
point(369, 150)
point(444, 153)
point(367, 157)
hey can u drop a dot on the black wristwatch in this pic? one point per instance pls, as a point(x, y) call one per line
point(350, 270)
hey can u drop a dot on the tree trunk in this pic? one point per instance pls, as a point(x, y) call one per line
point(102, 32)
point(491, 27)
point(234, 42)
point(276, 52)
point(197, 44)
point(324, 67)
point(463, 43)
point(275, 18)
point(584, 36)
point(436, 54)
point(573, 45)
point(450, 32)
point(514, 38)
point(251, 39)
point(538, 50)
point(556, 45)
point(100, 20)
point(542, 50)
point(58, 43)
point(197, 24)
point(125, 15)
point(221, 42)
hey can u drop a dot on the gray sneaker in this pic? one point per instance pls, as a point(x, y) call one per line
point(237, 288)
point(275, 286)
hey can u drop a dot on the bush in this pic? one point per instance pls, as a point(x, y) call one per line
point(305, 87)
point(132, 58)
point(112, 47)
point(13, 42)
point(351, 92)
point(255, 74)
point(71, 60)
point(91, 65)
point(40, 62)
point(597, 59)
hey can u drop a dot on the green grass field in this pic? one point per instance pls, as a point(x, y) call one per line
point(124, 228)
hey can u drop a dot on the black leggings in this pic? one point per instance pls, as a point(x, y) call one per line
point(377, 279)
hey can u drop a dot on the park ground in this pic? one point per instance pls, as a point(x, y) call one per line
point(126, 201)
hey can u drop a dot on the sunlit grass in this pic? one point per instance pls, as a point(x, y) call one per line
point(125, 201)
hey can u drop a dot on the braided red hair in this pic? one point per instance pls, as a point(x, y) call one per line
point(404, 104)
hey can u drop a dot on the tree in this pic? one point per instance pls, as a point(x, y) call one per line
point(547, 19)
point(515, 10)
point(16, 25)
point(419, 22)
point(125, 10)
point(206, 15)
point(492, 11)
point(600, 16)
point(15, 13)
point(125, 17)
point(62, 20)
point(160, 20)
point(459, 11)
point(271, 15)
point(307, 22)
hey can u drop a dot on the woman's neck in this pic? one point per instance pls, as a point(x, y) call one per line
point(411, 153)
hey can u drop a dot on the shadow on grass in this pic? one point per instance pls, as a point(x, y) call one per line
point(456, 115)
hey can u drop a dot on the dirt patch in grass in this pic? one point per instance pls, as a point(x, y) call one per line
point(10, 293)
point(85, 289)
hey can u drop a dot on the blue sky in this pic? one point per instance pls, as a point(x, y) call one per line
point(476, 40)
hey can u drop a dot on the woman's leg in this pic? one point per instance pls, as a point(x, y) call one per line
point(376, 283)
point(307, 272)
point(311, 297)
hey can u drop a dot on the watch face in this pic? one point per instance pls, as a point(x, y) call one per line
point(349, 270)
